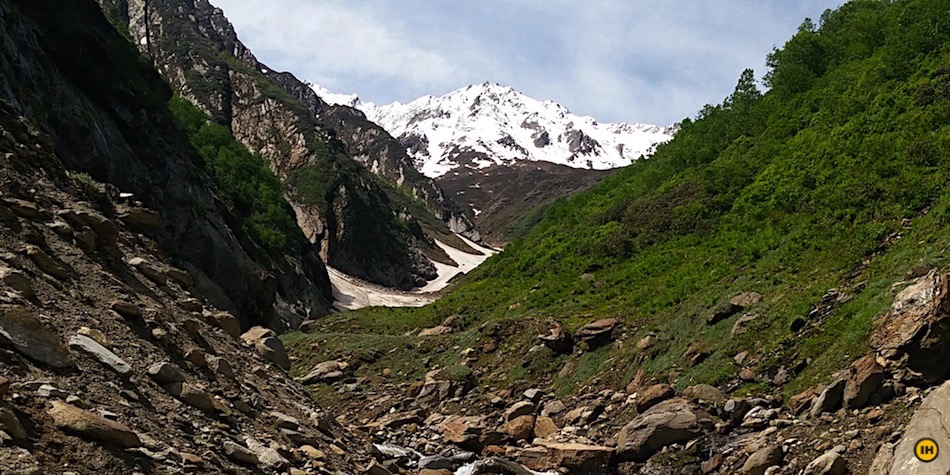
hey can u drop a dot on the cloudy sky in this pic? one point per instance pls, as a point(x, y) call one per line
point(652, 61)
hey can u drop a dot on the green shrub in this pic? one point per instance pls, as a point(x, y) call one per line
point(243, 180)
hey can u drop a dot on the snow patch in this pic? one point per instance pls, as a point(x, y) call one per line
point(351, 293)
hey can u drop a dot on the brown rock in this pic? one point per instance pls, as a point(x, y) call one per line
point(265, 341)
point(557, 338)
point(800, 402)
point(597, 333)
point(578, 458)
point(864, 377)
point(165, 372)
point(931, 420)
point(239, 453)
point(912, 332)
point(32, 338)
point(520, 428)
point(636, 384)
point(313, 453)
point(743, 322)
point(712, 465)
point(747, 374)
point(704, 392)
point(227, 322)
point(746, 299)
point(830, 399)
point(429, 471)
point(150, 271)
point(195, 397)
point(696, 353)
point(46, 263)
point(518, 409)
point(545, 427)
point(653, 395)
point(17, 281)
point(142, 220)
point(762, 459)
point(831, 463)
point(325, 372)
point(4, 387)
point(22, 208)
point(11, 424)
point(89, 425)
point(126, 309)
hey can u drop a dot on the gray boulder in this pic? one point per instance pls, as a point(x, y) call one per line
point(669, 422)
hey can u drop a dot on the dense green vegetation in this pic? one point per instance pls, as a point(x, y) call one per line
point(243, 180)
point(833, 178)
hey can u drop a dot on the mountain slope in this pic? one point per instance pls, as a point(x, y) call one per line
point(488, 124)
point(833, 179)
point(119, 257)
point(488, 133)
point(782, 248)
point(359, 223)
point(106, 112)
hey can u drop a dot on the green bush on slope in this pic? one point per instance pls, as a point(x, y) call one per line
point(243, 180)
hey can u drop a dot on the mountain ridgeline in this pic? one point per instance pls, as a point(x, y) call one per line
point(835, 178)
point(377, 221)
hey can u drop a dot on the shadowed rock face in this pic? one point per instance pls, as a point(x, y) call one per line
point(106, 113)
point(366, 225)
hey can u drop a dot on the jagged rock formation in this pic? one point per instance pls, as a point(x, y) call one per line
point(105, 111)
point(361, 225)
point(372, 146)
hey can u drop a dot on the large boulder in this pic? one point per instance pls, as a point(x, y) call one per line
point(914, 333)
point(667, 423)
point(597, 333)
point(325, 372)
point(931, 420)
point(830, 399)
point(92, 426)
point(577, 458)
point(31, 337)
point(762, 460)
point(266, 343)
point(831, 463)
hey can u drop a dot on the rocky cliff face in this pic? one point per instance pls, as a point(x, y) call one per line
point(117, 354)
point(355, 219)
point(77, 79)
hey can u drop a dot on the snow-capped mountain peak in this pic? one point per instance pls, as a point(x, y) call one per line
point(488, 123)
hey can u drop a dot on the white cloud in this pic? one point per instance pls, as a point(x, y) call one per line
point(630, 60)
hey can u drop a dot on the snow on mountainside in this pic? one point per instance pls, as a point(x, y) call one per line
point(487, 124)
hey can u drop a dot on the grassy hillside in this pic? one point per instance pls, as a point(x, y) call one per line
point(834, 178)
